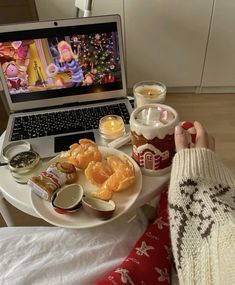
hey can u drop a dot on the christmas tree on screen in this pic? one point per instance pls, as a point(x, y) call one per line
point(98, 56)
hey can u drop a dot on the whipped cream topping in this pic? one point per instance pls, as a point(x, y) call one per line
point(154, 120)
point(154, 117)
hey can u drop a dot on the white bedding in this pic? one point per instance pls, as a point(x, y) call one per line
point(52, 255)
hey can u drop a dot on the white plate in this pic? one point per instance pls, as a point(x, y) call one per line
point(80, 219)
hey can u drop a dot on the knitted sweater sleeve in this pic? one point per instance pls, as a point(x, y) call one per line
point(202, 218)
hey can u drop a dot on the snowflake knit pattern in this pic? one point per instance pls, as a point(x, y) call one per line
point(149, 262)
point(202, 218)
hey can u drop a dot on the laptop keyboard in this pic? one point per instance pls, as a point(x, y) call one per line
point(54, 123)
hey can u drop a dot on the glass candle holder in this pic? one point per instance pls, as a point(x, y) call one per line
point(111, 127)
point(23, 165)
point(149, 92)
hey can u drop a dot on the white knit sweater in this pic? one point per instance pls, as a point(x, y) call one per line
point(202, 218)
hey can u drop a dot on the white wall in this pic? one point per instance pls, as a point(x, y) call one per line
point(109, 7)
point(14, 11)
point(59, 9)
point(220, 58)
point(55, 9)
point(166, 40)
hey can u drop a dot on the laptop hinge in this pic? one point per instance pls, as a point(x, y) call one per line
point(71, 105)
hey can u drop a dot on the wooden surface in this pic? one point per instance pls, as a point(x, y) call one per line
point(215, 111)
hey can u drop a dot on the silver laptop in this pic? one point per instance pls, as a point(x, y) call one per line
point(59, 78)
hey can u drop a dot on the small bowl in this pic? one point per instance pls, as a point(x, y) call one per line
point(68, 199)
point(98, 208)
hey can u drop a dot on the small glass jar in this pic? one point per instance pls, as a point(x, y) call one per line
point(149, 92)
point(111, 127)
point(23, 165)
point(14, 148)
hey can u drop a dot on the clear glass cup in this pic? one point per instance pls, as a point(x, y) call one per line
point(149, 92)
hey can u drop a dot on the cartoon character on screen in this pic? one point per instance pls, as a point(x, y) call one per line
point(21, 54)
point(1, 50)
point(89, 79)
point(69, 63)
point(16, 75)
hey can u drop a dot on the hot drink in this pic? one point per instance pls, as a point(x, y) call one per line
point(152, 135)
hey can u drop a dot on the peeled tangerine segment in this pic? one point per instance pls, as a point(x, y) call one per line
point(114, 162)
point(65, 167)
point(119, 181)
point(126, 183)
point(103, 193)
point(123, 165)
point(87, 141)
point(83, 153)
point(123, 177)
point(97, 172)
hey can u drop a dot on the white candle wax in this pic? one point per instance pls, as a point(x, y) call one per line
point(149, 93)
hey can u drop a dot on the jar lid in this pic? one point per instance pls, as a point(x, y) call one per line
point(24, 161)
point(14, 148)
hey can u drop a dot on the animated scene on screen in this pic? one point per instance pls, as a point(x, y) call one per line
point(60, 62)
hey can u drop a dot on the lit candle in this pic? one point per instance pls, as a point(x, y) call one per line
point(111, 127)
point(147, 92)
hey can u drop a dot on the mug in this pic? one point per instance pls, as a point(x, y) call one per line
point(152, 135)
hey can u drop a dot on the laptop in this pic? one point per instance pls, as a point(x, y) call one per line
point(59, 78)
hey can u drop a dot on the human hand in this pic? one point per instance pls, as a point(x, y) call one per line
point(203, 139)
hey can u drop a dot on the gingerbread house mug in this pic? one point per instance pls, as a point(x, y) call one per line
point(152, 135)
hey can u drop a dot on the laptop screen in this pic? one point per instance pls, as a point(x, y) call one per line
point(53, 63)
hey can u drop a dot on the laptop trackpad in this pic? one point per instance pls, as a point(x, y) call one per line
point(62, 143)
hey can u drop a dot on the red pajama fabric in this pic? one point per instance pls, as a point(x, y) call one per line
point(149, 261)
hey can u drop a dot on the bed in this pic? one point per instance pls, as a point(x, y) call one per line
point(53, 255)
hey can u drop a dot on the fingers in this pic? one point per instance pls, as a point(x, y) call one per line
point(181, 141)
point(211, 142)
point(202, 137)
